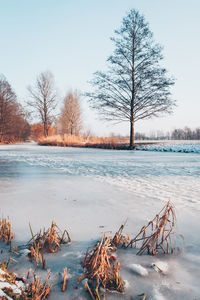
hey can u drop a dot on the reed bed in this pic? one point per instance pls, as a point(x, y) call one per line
point(84, 141)
point(6, 233)
point(159, 236)
point(101, 268)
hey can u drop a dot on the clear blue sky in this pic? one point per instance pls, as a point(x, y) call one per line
point(71, 39)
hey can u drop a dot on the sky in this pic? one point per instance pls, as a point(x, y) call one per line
point(71, 38)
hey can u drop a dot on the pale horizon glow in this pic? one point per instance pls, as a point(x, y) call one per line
point(72, 40)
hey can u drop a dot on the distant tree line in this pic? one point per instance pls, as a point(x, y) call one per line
point(13, 124)
point(177, 134)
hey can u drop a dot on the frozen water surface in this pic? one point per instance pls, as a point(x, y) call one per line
point(91, 191)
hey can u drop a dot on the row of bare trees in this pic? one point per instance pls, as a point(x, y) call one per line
point(13, 123)
point(176, 134)
point(44, 100)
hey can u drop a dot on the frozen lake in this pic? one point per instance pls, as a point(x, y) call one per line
point(91, 191)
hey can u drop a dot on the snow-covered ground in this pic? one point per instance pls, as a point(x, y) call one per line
point(91, 191)
point(172, 146)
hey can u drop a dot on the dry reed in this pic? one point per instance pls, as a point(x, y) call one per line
point(38, 290)
point(65, 278)
point(159, 235)
point(49, 240)
point(6, 233)
point(120, 239)
point(101, 268)
point(84, 141)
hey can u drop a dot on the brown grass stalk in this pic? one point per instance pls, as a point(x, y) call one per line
point(65, 279)
point(6, 233)
point(101, 268)
point(120, 239)
point(159, 236)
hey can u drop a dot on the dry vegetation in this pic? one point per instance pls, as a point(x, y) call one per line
point(6, 233)
point(101, 267)
point(37, 289)
point(159, 235)
point(19, 288)
point(65, 279)
point(100, 263)
point(49, 240)
point(120, 239)
point(84, 141)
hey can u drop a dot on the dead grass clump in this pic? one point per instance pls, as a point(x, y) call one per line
point(49, 240)
point(37, 289)
point(6, 233)
point(159, 235)
point(120, 239)
point(101, 267)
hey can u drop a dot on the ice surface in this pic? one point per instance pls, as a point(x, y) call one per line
point(91, 191)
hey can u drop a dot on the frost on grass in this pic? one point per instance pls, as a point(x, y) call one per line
point(159, 236)
point(101, 268)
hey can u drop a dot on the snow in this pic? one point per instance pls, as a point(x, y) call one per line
point(175, 146)
point(138, 269)
point(92, 191)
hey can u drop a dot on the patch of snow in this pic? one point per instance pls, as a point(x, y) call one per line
point(136, 268)
point(2, 272)
point(126, 283)
point(181, 147)
point(24, 251)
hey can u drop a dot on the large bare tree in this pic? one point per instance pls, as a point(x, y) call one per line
point(70, 119)
point(44, 99)
point(135, 86)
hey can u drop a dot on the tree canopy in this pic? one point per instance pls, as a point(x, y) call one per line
point(135, 86)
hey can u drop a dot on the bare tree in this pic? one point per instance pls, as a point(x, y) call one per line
point(13, 124)
point(44, 98)
point(7, 107)
point(135, 87)
point(70, 119)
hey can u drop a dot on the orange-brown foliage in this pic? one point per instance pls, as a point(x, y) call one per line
point(83, 141)
point(37, 131)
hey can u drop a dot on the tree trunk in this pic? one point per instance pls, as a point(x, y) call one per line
point(132, 140)
point(132, 96)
